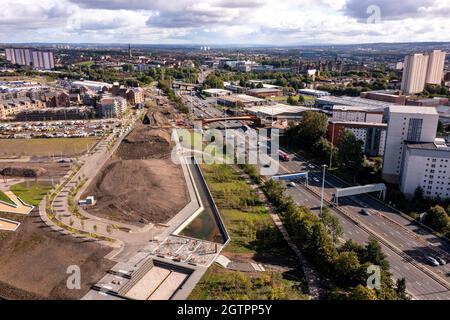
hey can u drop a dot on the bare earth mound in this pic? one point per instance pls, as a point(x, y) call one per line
point(138, 191)
point(22, 172)
point(34, 262)
point(145, 143)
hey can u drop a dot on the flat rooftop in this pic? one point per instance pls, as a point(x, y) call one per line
point(264, 90)
point(216, 91)
point(355, 101)
point(278, 109)
point(242, 98)
point(360, 124)
point(358, 108)
point(413, 109)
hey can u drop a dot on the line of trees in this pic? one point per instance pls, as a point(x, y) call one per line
point(345, 264)
point(166, 87)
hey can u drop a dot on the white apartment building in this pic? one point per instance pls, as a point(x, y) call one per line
point(435, 70)
point(426, 165)
point(28, 57)
point(373, 137)
point(414, 73)
point(406, 124)
point(420, 69)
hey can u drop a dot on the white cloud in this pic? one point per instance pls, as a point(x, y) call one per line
point(222, 21)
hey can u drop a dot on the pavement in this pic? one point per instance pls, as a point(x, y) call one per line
point(20, 207)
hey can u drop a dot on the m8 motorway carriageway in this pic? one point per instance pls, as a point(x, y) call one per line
point(405, 243)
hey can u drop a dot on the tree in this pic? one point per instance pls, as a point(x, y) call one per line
point(332, 224)
point(375, 255)
point(311, 128)
point(350, 156)
point(440, 127)
point(401, 288)
point(418, 194)
point(322, 248)
point(362, 293)
point(322, 149)
point(347, 268)
point(437, 219)
point(291, 101)
point(301, 99)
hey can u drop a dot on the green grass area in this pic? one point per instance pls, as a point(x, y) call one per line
point(5, 198)
point(31, 192)
point(46, 147)
point(253, 236)
point(86, 63)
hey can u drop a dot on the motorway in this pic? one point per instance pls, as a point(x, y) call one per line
point(405, 244)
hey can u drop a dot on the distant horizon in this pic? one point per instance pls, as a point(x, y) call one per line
point(225, 45)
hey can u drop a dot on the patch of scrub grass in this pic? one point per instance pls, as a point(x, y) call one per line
point(222, 284)
point(31, 192)
point(5, 198)
point(66, 147)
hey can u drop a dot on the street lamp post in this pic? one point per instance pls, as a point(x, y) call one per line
point(323, 187)
point(332, 145)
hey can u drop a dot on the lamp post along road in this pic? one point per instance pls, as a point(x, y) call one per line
point(332, 145)
point(323, 187)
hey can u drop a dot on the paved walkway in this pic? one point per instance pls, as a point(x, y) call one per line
point(19, 206)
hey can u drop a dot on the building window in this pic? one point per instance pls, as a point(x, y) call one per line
point(415, 129)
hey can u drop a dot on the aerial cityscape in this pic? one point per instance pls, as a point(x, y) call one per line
point(224, 150)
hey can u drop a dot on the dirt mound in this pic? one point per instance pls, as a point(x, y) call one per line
point(137, 191)
point(144, 143)
point(22, 172)
point(159, 117)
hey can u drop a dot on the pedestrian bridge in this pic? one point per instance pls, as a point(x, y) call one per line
point(292, 176)
point(353, 191)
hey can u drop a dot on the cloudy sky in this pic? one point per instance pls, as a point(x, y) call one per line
point(278, 22)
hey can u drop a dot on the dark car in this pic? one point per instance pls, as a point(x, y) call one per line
point(364, 212)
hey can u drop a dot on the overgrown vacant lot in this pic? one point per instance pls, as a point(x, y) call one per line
point(68, 147)
point(254, 238)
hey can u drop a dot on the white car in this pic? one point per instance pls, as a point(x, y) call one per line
point(311, 166)
point(292, 184)
point(316, 180)
point(432, 261)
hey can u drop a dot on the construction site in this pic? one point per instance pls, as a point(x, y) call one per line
point(34, 258)
point(140, 184)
